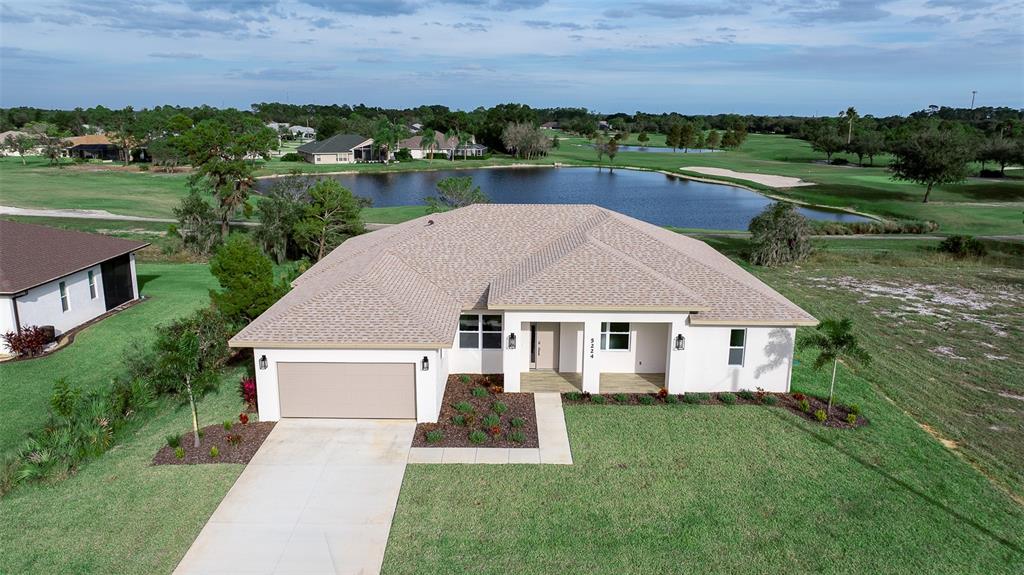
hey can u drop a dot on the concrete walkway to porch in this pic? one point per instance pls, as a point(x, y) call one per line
point(555, 382)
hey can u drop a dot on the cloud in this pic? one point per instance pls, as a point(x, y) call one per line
point(176, 55)
point(679, 10)
point(275, 74)
point(548, 25)
point(470, 26)
point(499, 5)
point(148, 19)
point(837, 11)
point(930, 20)
point(14, 54)
point(375, 8)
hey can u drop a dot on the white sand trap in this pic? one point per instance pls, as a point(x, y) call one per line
point(764, 179)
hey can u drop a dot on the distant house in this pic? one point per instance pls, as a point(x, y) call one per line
point(302, 133)
point(445, 146)
point(550, 126)
point(416, 128)
point(92, 147)
point(61, 278)
point(339, 149)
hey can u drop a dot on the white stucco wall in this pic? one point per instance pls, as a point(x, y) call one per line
point(41, 304)
point(474, 360)
point(570, 347)
point(430, 384)
point(646, 353)
point(767, 359)
point(7, 323)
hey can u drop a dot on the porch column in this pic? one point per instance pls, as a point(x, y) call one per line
point(510, 365)
point(135, 278)
point(592, 356)
point(675, 362)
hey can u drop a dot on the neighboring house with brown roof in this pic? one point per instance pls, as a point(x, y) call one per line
point(339, 149)
point(92, 147)
point(61, 278)
point(444, 147)
point(375, 328)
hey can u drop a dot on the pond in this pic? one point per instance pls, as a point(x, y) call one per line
point(654, 197)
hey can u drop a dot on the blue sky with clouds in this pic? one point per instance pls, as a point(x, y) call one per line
point(772, 56)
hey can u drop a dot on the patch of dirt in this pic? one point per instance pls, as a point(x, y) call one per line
point(946, 351)
point(250, 437)
point(520, 405)
point(946, 442)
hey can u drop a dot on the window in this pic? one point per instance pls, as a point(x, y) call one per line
point(737, 342)
point(65, 304)
point(92, 285)
point(615, 336)
point(479, 331)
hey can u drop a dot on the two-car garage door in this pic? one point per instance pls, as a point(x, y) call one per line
point(350, 390)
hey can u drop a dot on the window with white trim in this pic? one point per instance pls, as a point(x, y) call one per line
point(479, 331)
point(737, 345)
point(615, 336)
point(92, 285)
point(65, 303)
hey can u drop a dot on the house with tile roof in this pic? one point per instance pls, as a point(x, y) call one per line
point(61, 278)
point(571, 296)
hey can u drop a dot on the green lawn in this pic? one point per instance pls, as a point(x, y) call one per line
point(173, 290)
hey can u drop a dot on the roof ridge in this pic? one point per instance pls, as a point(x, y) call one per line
point(542, 257)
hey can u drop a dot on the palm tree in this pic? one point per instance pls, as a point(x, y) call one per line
point(851, 116)
point(429, 142)
point(834, 340)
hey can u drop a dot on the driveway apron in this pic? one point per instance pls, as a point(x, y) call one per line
point(318, 498)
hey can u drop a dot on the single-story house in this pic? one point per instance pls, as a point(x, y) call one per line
point(575, 292)
point(443, 146)
point(550, 126)
point(61, 278)
point(302, 133)
point(92, 146)
point(339, 149)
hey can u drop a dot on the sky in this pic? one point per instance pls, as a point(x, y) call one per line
point(802, 57)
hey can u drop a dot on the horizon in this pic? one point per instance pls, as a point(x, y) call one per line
point(694, 58)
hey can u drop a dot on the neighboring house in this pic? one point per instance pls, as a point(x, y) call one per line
point(446, 147)
point(339, 149)
point(416, 128)
point(374, 329)
point(61, 278)
point(92, 147)
point(549, 126)
point(471, 150)
point(302, 133)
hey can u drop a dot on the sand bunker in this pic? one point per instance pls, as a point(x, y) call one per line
point(764, 179)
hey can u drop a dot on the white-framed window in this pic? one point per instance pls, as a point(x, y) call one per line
point(92, 285)
point(737, 345)
point(65, 303)
point(615, 335)
point(479, 331)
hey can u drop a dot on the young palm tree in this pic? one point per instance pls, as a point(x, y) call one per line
point(851, 116)
point(834, 340)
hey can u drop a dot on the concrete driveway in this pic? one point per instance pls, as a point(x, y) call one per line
point(318, 498)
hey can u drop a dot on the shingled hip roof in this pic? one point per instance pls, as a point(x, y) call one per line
point(405, 285)
point(32, 255)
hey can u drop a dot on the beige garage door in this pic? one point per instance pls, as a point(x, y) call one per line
point(354, 390)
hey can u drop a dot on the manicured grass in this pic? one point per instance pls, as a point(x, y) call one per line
point(95, 356)
point(393, 215)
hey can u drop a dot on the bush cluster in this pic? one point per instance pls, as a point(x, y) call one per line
point(824, 228)
point(963, 246)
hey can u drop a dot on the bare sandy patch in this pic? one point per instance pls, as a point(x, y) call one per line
point(763, 179)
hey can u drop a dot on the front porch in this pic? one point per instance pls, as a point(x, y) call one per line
point(553, 381)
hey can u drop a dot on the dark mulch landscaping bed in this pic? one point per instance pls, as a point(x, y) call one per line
point(794, 402)
point(249, 437)
point(456, 426)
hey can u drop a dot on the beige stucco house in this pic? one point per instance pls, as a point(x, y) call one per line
point(338, 149)
point(577, 292)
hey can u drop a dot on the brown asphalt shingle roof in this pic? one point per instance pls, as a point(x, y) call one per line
point(32, 255)
point(405, 285)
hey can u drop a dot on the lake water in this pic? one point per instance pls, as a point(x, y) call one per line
point(650, 196)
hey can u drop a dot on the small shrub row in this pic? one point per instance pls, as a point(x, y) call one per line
point(824, 228)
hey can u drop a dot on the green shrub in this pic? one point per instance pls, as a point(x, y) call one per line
point(645, 399)
point(490, 420)
point(435, 435)
point(851, 418)
point(820, 415)
point(855, 409)
point(173, 440)
point(962, 246)
point(621, 397)
point(214, 452)
point(517, 436)
point(573, 396)
point(291, 157)
point(479, 392)
point(805, 406)
point(746, 394)
point(769, 399)
point(464, 407)
point(179, 452)
point(691, 398)
point(598, 399)
point(228, 424)
point(727, 398)
point(499, 407)
point(477, 437)
point(671, 399)
point(464, 378)
point(459, 420)
point(517, 422)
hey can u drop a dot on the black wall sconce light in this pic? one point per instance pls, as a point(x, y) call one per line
point(424, 363)
point(680, 342)
point(263, 362)
point(511, 341)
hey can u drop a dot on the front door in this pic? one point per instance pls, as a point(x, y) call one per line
point(545, 345)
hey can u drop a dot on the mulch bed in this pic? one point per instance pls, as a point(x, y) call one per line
point(252, 436)
point(519, 405)
point(790, 401)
